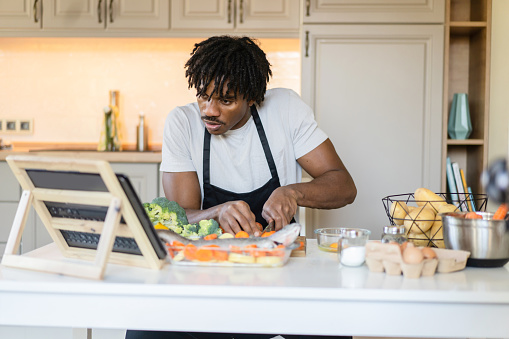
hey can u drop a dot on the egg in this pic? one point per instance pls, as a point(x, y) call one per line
point(428, 253)
point(413, 255)
point(404, 245)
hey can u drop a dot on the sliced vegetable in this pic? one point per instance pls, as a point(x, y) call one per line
point(501, 212)
point(210, 236)
point(242, 234)
point(204, 254)
point(268, 234)
point(190, 251)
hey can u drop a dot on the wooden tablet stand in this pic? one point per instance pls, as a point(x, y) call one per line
point(90, 263)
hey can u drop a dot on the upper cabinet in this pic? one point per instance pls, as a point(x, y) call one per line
point(83, 17)
point(106, 14)
point(373, 11)
point(237, 16)
point(151, 18)
point(22, 14)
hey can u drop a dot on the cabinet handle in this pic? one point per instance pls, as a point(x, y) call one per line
point(36, 19)
point(229, 11)
point(308, 5)
point(241, 11)
point(99, 12)
point(307, 44)
point(111, 10)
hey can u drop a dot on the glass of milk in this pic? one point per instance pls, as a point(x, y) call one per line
point(352, 246)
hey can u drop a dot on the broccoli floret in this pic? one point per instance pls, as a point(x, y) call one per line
point(189, 230)
point(176, 229)
point(208, 227)
point(153, 212)
point(192, 228)
point(166, 212)
point(173, 213)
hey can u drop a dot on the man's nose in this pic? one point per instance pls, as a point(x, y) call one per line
point(210, 108)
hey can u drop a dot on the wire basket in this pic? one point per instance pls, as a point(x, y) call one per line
point(421, 229)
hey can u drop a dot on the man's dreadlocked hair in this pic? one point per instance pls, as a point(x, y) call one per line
point(239, 61)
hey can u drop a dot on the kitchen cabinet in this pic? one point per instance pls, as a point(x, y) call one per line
point(106, 14)
point(81, 17)
point(373, 11)
point(376, 90)
point(10, 193)
point(144, 178)
point(236, 16)
point(22, 14)
point(467, 69)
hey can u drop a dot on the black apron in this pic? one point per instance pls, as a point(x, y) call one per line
point(213, 195)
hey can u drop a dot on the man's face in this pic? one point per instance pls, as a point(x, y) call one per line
point(221, 113)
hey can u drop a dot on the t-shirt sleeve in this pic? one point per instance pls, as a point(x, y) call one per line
point(306, 134)
point(176, 148)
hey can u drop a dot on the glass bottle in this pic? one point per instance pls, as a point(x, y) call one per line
point(141, 134)
point(394, 233)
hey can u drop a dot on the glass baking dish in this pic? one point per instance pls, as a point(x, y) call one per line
point(213, 255)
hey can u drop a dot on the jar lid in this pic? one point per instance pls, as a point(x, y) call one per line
point(394, 230)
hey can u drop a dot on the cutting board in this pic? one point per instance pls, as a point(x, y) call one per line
point(300, 251)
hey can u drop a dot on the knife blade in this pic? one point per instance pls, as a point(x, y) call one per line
point(269, 227)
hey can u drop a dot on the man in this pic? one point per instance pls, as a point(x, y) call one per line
point(236, 154)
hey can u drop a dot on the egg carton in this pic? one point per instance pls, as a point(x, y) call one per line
point(387, 258)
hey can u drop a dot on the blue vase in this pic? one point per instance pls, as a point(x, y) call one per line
point(459, 126)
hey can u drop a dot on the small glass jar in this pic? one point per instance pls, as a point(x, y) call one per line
point(394, 233)
point(352, 246)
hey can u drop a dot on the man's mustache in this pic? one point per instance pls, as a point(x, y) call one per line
point(212, 120)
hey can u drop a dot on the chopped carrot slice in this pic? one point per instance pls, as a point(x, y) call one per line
point(210, 236)
point(334, 245)
point(190, 251)
point(176, 243)
point(235, 249)
point(203, 254)
point(501, 212)
point(268, 234)
point(242, 234)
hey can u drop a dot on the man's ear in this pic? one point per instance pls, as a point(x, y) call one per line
point(250, 103)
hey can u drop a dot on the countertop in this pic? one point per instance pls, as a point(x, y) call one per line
point(309, 295)
point(83, 151)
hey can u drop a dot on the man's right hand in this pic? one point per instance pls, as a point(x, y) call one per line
point(236, 216)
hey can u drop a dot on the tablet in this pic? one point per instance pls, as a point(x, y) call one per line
point(92, 182)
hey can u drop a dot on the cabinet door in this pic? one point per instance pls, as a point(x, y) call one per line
point(202, 14)
point(135, 14)
point(376, 90)
point(74, 14)
point(260, 15)
point(9, 186)
point(21, 14)
point(143, 177)
point(374, 11)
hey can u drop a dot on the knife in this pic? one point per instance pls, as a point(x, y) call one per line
point(269, 227)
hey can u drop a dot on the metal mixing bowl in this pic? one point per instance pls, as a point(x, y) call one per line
point(486, 239)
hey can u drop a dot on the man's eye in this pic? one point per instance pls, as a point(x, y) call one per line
point(226, 102)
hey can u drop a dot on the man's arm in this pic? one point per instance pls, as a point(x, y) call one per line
point(184, 188)
point(331, 187)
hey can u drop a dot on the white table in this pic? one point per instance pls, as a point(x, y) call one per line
point(310, 295)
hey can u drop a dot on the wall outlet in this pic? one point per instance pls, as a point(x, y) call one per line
point(17, 126)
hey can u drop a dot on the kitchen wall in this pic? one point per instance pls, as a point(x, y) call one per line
point(64, 83)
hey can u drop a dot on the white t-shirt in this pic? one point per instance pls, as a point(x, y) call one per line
point(237, 160)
